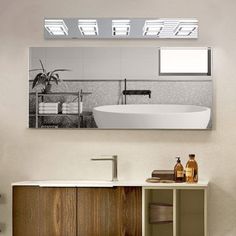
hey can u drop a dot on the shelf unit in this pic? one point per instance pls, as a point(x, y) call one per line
point(189, 210)
point(41, 96)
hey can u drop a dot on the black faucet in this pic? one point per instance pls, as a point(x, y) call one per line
point(135, 92)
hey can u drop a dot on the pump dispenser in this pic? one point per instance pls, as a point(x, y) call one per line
point(191, 170)
point(179, 171)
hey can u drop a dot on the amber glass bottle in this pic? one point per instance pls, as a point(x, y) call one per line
point(191, 170)
point(179, 171)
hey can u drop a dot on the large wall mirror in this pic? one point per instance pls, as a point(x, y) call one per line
point(117, 88)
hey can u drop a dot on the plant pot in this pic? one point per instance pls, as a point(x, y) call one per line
point(48, 88)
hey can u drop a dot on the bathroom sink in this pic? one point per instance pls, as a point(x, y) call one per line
point(75, 183)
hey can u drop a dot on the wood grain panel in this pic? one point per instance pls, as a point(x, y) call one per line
point(109, 211)
point(71, 212)
point(96, 211)
point(57, 212)
point(25, 211)
point(130, 211)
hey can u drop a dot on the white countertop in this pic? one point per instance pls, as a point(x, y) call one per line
point(98, 183)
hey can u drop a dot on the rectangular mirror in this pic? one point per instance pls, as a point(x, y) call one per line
point(113, 88)
point(185, 61)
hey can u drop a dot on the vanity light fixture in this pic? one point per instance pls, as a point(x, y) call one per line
point(120, 27)
point(152, 27)
point(186, 28)
point(88, 27)
point(56, 27)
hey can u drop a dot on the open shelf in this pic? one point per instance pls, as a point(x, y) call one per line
point(160, 197)
point(40, 97)
point(189, 214)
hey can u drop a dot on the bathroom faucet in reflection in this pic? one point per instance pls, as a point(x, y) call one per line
point(135, 92)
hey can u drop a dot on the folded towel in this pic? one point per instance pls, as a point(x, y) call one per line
point(48, 109)
point(74, 104)
point(70, 109)
point(48, 112)
point(48, 104)
point(69, 112)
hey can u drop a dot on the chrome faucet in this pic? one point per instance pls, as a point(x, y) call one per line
point(114, 159)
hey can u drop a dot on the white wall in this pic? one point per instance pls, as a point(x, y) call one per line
point(64, 154)
point(104, 63)
point(98, 63)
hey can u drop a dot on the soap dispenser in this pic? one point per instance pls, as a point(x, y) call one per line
point(191, 170)
point(179, 171)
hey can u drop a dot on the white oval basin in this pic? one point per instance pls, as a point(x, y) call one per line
point(152, 116)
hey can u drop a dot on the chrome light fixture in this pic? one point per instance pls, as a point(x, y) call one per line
point(152, 27)
point(123, 28)
point(56, 27)
point(120, 27)
point(88, 27)
point(186, 28)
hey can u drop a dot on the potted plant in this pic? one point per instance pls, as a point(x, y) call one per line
point(46, 78)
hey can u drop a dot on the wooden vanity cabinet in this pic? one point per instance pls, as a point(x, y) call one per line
point(44, 211)
point(86, 211)
point(109, 211)
point(26, 211)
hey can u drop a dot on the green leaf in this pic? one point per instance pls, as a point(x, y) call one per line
point(55, 79)
point(45, 77)
point(59, 70)
point(36, 80)
point(42, 66)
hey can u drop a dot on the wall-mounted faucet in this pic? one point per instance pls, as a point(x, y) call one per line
point(135, 92)
point(114, 159)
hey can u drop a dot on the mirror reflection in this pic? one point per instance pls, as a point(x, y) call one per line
point(113, 88)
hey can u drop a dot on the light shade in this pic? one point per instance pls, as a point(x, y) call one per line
point(185, 28)
point(152, 27)
point(120, 27)
point(88, 27)
point(56, 27)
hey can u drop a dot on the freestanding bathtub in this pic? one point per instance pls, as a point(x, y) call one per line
point(152, 116)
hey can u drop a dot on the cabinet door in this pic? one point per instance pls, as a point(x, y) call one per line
point(130, 211)
point(26, 211)
point(44, 211)
point(57, 212)
point(109, 211)
point(97, 211)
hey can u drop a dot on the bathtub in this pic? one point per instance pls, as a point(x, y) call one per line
point(152, 116)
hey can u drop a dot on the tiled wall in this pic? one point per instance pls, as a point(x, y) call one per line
point(110, 92)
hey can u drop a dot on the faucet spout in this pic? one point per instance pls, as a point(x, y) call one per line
point(114, 159)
